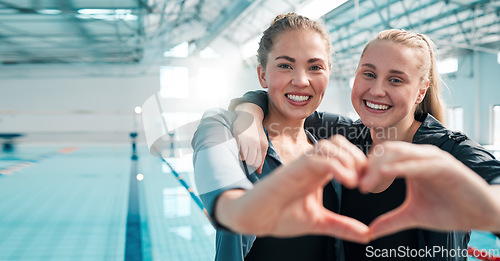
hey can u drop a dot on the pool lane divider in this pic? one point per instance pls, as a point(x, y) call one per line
point(133, 235)
point(196, 199)
point(24, 163)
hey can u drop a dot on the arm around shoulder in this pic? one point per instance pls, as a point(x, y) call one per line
point(216, 163)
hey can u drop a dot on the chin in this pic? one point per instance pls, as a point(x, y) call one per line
point(373, 124)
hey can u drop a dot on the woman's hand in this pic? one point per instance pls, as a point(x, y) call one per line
point(289, 202)
point(249, 133)
point(442, 193)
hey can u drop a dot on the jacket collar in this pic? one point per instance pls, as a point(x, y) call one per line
point(430, 129)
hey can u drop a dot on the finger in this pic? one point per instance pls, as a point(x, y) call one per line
point(243, 152)
point(341, 165)
point(378, 172)
point(259, 162)
point(252, 156)
point(392, 222)
point(358, 158)
point(344, 227)
point(336, 149)
point(345, 176)
point(371, 177)
point(259, 169)
point(407, 169)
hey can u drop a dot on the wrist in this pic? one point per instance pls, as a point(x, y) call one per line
point(227, 209)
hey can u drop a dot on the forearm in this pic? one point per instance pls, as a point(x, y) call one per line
point(227, 209)
point(258, 98)
point(494, 191)
point(249, 211)
point(253, 109)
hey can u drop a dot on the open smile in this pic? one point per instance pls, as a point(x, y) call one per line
point(298, 98)
point(376, 106)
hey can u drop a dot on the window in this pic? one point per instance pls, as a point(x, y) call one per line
point(174, 82)
point(495, 125)
point(213, 86)
point(455, 118)
point(181, 51)
point(449, 65)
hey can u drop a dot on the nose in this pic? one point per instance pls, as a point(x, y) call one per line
point(377, 89)
point(300, 78)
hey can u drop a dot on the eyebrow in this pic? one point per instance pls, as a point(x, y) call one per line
point(391, 71)
point(288, 58)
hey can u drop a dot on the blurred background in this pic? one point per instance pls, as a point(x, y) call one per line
point(77, 180)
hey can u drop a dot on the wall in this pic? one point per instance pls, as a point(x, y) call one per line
point(475, 87)
point(53, 103)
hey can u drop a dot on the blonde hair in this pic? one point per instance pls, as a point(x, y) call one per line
point(291, 21)
point(426, 58)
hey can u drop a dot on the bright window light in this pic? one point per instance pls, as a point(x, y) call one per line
point(174, 82)
point(180, 50)
point(213, 86)
point(496, 125)
point(449, 65)
point(455, 118)
point(351, 82)
point(209, 53)
point(498, 57)
point(250, 48)
point(317, 8)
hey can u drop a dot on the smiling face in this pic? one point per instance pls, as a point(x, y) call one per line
point(296, 74)
point(388, 85)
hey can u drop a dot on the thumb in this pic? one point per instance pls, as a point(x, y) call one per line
point(391, 222)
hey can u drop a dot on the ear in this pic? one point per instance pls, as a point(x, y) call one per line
point(421, 93)
point(262, 76)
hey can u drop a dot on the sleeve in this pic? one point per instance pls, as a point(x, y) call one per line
point(256, 97)
point(216, 163)
point(479, 160)
point(324, 125)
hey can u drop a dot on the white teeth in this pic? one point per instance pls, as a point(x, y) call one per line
point(377, 106)
point(297, 98)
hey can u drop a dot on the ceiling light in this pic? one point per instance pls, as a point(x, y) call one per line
point(49, 11)
point(96, 11)
point(107, 14)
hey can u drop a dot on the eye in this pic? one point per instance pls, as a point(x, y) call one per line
point(284, 66)
point(395, 80)
point(316, 68)
point(370, 75)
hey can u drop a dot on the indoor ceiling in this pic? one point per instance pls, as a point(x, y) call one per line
point(137, 32)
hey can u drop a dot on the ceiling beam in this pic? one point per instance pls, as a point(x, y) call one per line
point(227, 16)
